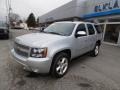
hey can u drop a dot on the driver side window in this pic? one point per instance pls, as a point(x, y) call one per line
point(81, 27)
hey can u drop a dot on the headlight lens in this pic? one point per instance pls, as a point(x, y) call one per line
point(38, 52)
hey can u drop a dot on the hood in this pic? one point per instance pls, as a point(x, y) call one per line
point(38, 39)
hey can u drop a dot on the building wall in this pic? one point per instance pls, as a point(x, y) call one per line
point(75, 8)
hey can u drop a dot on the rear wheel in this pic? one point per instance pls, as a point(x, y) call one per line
point(60, 65)
point(95, 51)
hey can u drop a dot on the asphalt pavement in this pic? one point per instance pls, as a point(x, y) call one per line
point(85, 73)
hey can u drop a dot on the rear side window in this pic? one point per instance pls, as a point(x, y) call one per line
point(98, 29)
point(91, 30)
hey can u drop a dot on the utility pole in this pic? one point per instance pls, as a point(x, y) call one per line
point(9, 9)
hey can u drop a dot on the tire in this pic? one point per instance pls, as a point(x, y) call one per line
point(95, 51)
point(60, 65)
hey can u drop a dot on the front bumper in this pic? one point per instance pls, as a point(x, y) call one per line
point(38, 65)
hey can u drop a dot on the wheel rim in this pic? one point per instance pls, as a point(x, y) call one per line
point(96, 50)
point(62, 66)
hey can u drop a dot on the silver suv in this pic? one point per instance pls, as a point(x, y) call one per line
point(54, 48)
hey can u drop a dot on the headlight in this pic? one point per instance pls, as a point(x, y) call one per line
point(38, 52)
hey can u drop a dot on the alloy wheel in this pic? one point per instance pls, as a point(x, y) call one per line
point(62, 66)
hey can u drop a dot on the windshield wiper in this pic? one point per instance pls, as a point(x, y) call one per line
point(44, 32)
point(54, 33)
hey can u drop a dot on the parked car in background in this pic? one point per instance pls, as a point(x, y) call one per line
point(17, 27)
point(20, 25)
point(4, 31)
point(54, 48)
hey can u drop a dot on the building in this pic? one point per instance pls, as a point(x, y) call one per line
point(105, 13)
point(68, 12)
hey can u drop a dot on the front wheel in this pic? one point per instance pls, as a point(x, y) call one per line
point(95, 51)
point(60, 65)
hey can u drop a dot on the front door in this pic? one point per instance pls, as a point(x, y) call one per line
point(80, 43)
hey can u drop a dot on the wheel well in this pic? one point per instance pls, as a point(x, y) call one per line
point(98, 42)
point(67, 51)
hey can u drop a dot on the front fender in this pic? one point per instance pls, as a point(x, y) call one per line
point(56, 50)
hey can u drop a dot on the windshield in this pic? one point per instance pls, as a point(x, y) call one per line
point(64, 29)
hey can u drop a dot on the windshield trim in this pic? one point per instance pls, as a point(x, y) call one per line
point(52, 33)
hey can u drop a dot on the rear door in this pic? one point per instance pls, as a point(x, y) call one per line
point(99, 32)
point(91, 36)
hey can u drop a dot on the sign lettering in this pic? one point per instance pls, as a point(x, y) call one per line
point(107, 6)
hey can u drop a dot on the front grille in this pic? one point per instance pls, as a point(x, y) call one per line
point(1, 30)
point(21, 50)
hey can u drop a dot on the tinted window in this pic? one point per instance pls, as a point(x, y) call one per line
point(64, 29)
point(2, 24)
point(81, 27)
point(90, 29)
point(98, 28)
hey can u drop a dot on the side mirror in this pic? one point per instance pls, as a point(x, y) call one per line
point(81, 33)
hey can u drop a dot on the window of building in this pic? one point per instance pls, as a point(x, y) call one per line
point(112, 33)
